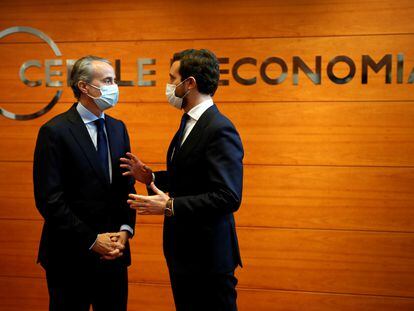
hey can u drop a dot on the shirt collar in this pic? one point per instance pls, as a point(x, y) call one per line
point(86, 115)
point(197, 111)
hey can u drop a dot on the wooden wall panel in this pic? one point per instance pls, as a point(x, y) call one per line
point(16, 296)
point(327, 220)
point(329, 261)
point(160, 20)
point(376, 199)
point(295, 300)
point(363, 134)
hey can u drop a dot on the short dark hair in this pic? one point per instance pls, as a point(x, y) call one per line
point(82, 71)
point(202, 65)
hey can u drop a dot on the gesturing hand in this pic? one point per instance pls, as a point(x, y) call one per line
point(149, 205)
point(136, 168)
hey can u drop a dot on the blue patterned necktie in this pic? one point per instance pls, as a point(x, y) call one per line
point(102, 146)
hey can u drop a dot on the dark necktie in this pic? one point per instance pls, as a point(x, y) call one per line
point(102, 146)
point(180, 133)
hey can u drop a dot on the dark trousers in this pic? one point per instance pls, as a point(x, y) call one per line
point(104, 286)
point(204, 292)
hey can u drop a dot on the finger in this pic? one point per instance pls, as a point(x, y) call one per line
point(125, 160)
point(155, 189)
point(127, 173)
point(112, 257)
point(133, 203)
point(139, 198)
point(113, 253)
point(133, 157)
point(120, 246)
point(116, 235)
point(126, 166)
point(133, 206)
point(138, 205)
point(116, 256)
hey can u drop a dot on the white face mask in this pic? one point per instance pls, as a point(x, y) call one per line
point(173, 99)
point(109, 96)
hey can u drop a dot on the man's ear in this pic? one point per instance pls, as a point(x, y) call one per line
point(82, 86)
point(192, 83)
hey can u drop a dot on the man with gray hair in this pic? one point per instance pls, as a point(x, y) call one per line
point(82, 195)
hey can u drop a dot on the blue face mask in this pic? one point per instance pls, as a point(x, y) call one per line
point(109, 96)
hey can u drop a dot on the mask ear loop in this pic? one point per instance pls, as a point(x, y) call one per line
point(186, 93)
point(95, 88)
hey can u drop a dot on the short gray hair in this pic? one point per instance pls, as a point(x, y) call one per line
point(82, 71)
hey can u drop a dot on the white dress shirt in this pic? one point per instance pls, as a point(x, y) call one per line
point(194, 114)
point(89, 118)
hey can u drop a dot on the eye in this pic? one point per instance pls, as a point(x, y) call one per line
point(108, 81)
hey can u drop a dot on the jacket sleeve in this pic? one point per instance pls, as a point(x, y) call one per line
point(48, 191)
point(129, 215)
point(224, 160)
point(161, 181)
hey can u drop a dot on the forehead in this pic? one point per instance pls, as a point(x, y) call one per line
point(102, 70)
point(175, 67)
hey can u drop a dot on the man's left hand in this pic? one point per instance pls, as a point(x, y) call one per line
point(122, 238)
point(151, 204)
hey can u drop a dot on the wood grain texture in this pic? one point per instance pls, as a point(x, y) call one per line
point(340, 134)
point(159, 20)
point(18, 293)
point(376, 199)
point(330, 261)
point(327, 219)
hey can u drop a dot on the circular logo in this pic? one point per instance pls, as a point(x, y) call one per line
point(57, 52)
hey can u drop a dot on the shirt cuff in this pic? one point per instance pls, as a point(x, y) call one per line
point(127, 228)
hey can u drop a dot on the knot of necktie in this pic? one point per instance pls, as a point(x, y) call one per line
point(100, 123)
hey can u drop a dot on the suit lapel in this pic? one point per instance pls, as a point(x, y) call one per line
point(171, 150)
point(81, 135)
point(194, 137)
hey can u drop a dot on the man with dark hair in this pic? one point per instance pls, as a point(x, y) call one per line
point(82, 196)
point(204, 184)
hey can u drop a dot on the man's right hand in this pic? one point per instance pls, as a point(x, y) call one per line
point(108, 246)
point(136, 168)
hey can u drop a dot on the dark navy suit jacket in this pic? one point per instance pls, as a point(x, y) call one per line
point(72, 193)
point(205, 179)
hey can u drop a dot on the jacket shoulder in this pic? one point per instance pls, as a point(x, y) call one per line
point(57, 122)
point(220, 121)
point(115, 121)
